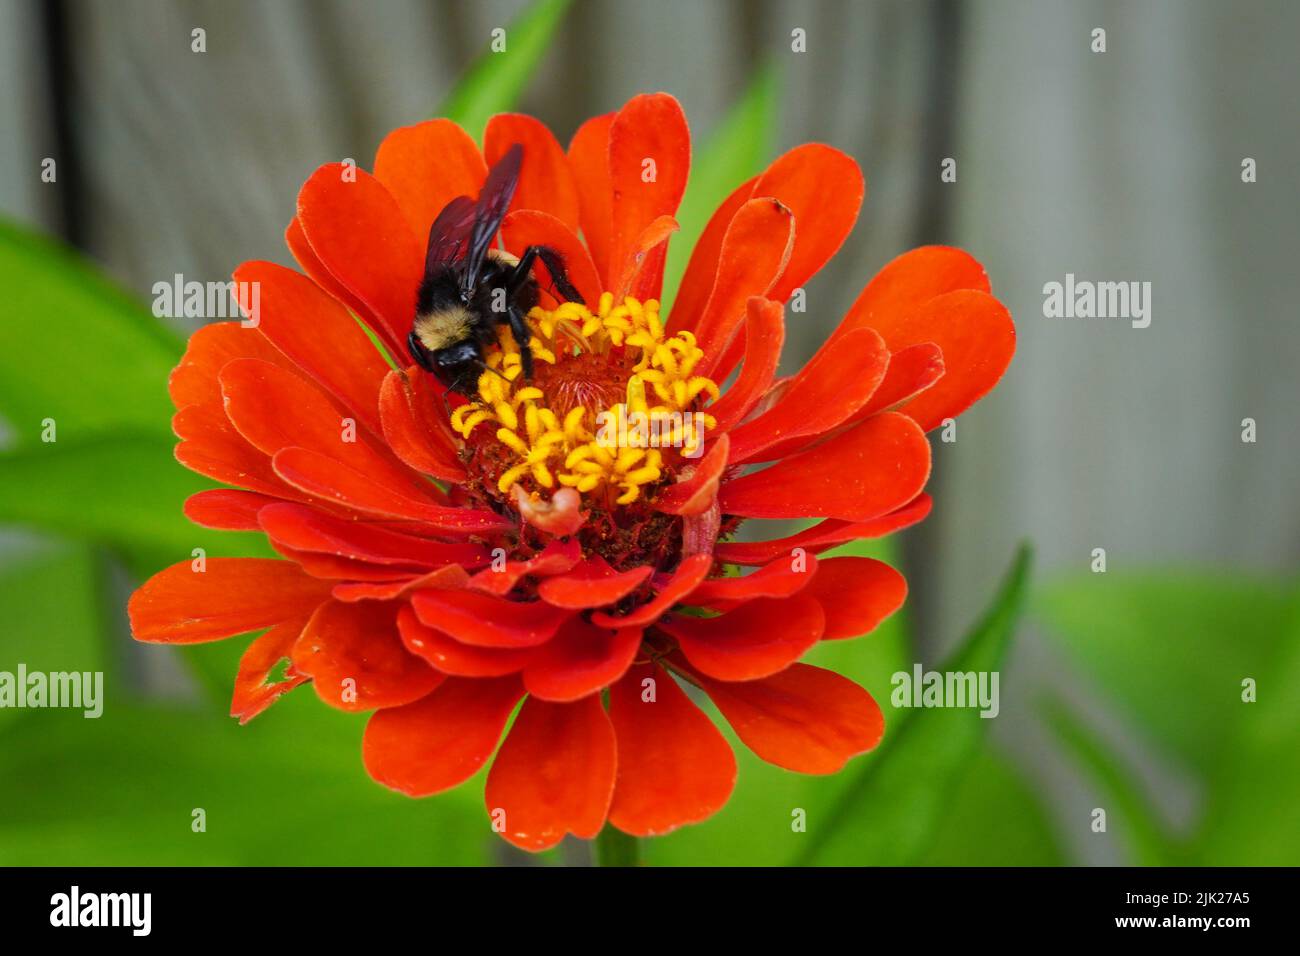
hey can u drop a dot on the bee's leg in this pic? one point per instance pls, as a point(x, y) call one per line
point(554, 263)
point(523, 335)
point(419, 352)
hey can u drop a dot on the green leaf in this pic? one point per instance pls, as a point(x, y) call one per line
point(124, 491)
point(737, 150)
point(75, 348)
point(1129, 810)
point(494, 82)
point(52, 595)
point(1253, 817)
point(994, 818)
point(889, 813)
point(1172, 648)
point(288, 789)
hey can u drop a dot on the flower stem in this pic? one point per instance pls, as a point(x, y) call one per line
point(616, 848)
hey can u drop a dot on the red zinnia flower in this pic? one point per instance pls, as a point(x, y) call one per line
point(442, 568)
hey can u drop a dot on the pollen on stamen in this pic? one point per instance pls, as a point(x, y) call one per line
point(603, 380)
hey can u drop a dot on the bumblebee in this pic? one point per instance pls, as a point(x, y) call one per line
point(470, 287)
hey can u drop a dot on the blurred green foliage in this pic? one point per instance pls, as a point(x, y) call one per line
point(1169, 650)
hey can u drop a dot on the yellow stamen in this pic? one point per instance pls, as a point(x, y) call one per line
point(622, 454)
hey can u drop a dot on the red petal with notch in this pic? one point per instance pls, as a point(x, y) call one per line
point(528, 227)
point(589, 160)
point(356, 659)
point(452, 657)
point(696, 488)
point(826, 392)
point(227, 509)
point(823, 187)
point(331, 480)
point(804, 719)
point(442, 740)
point(764, 336)
point(755, 251)
point(545, 180)
point(825, 534)
point(592, 584)
point(426, 166)
point(417, 434)
point(360, 235)
point(253, 694)
point(581, 660)
point(684, 580)
point(857, 594)
point(316, 332)
point(554, 774)
point(869, 470)
point(179, 605)
point(650, 128)
point(780, 579)
point(307, 529)
point(757, 639)
point(486, 620)
point(674, 767)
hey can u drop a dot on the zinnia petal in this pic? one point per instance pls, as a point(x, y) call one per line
point(856, 594)
point(426, 166)
point(313, 330)
point(580, 660)
point(487, 620)
point(674, 767)
point(757, 639)
point(871, 469)
point(804, 718)
point(440, 741)
point(182, 605)
point(825, 392)
point(455, 657)
point(545, 179)
point(825, 534)
point(356, 659)
point(589, 160)
point(254, 692)
point(361, 236)
point(554, 774)
point(649, 158)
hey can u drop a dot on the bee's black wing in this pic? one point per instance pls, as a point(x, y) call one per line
point(450, 234)
point(493, 201)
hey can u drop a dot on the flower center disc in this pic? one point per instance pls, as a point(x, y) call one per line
point(613, 408)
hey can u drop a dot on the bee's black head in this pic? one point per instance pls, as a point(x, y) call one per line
point(458, 366)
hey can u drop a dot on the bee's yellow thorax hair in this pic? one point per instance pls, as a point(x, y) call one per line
point(443, 327)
